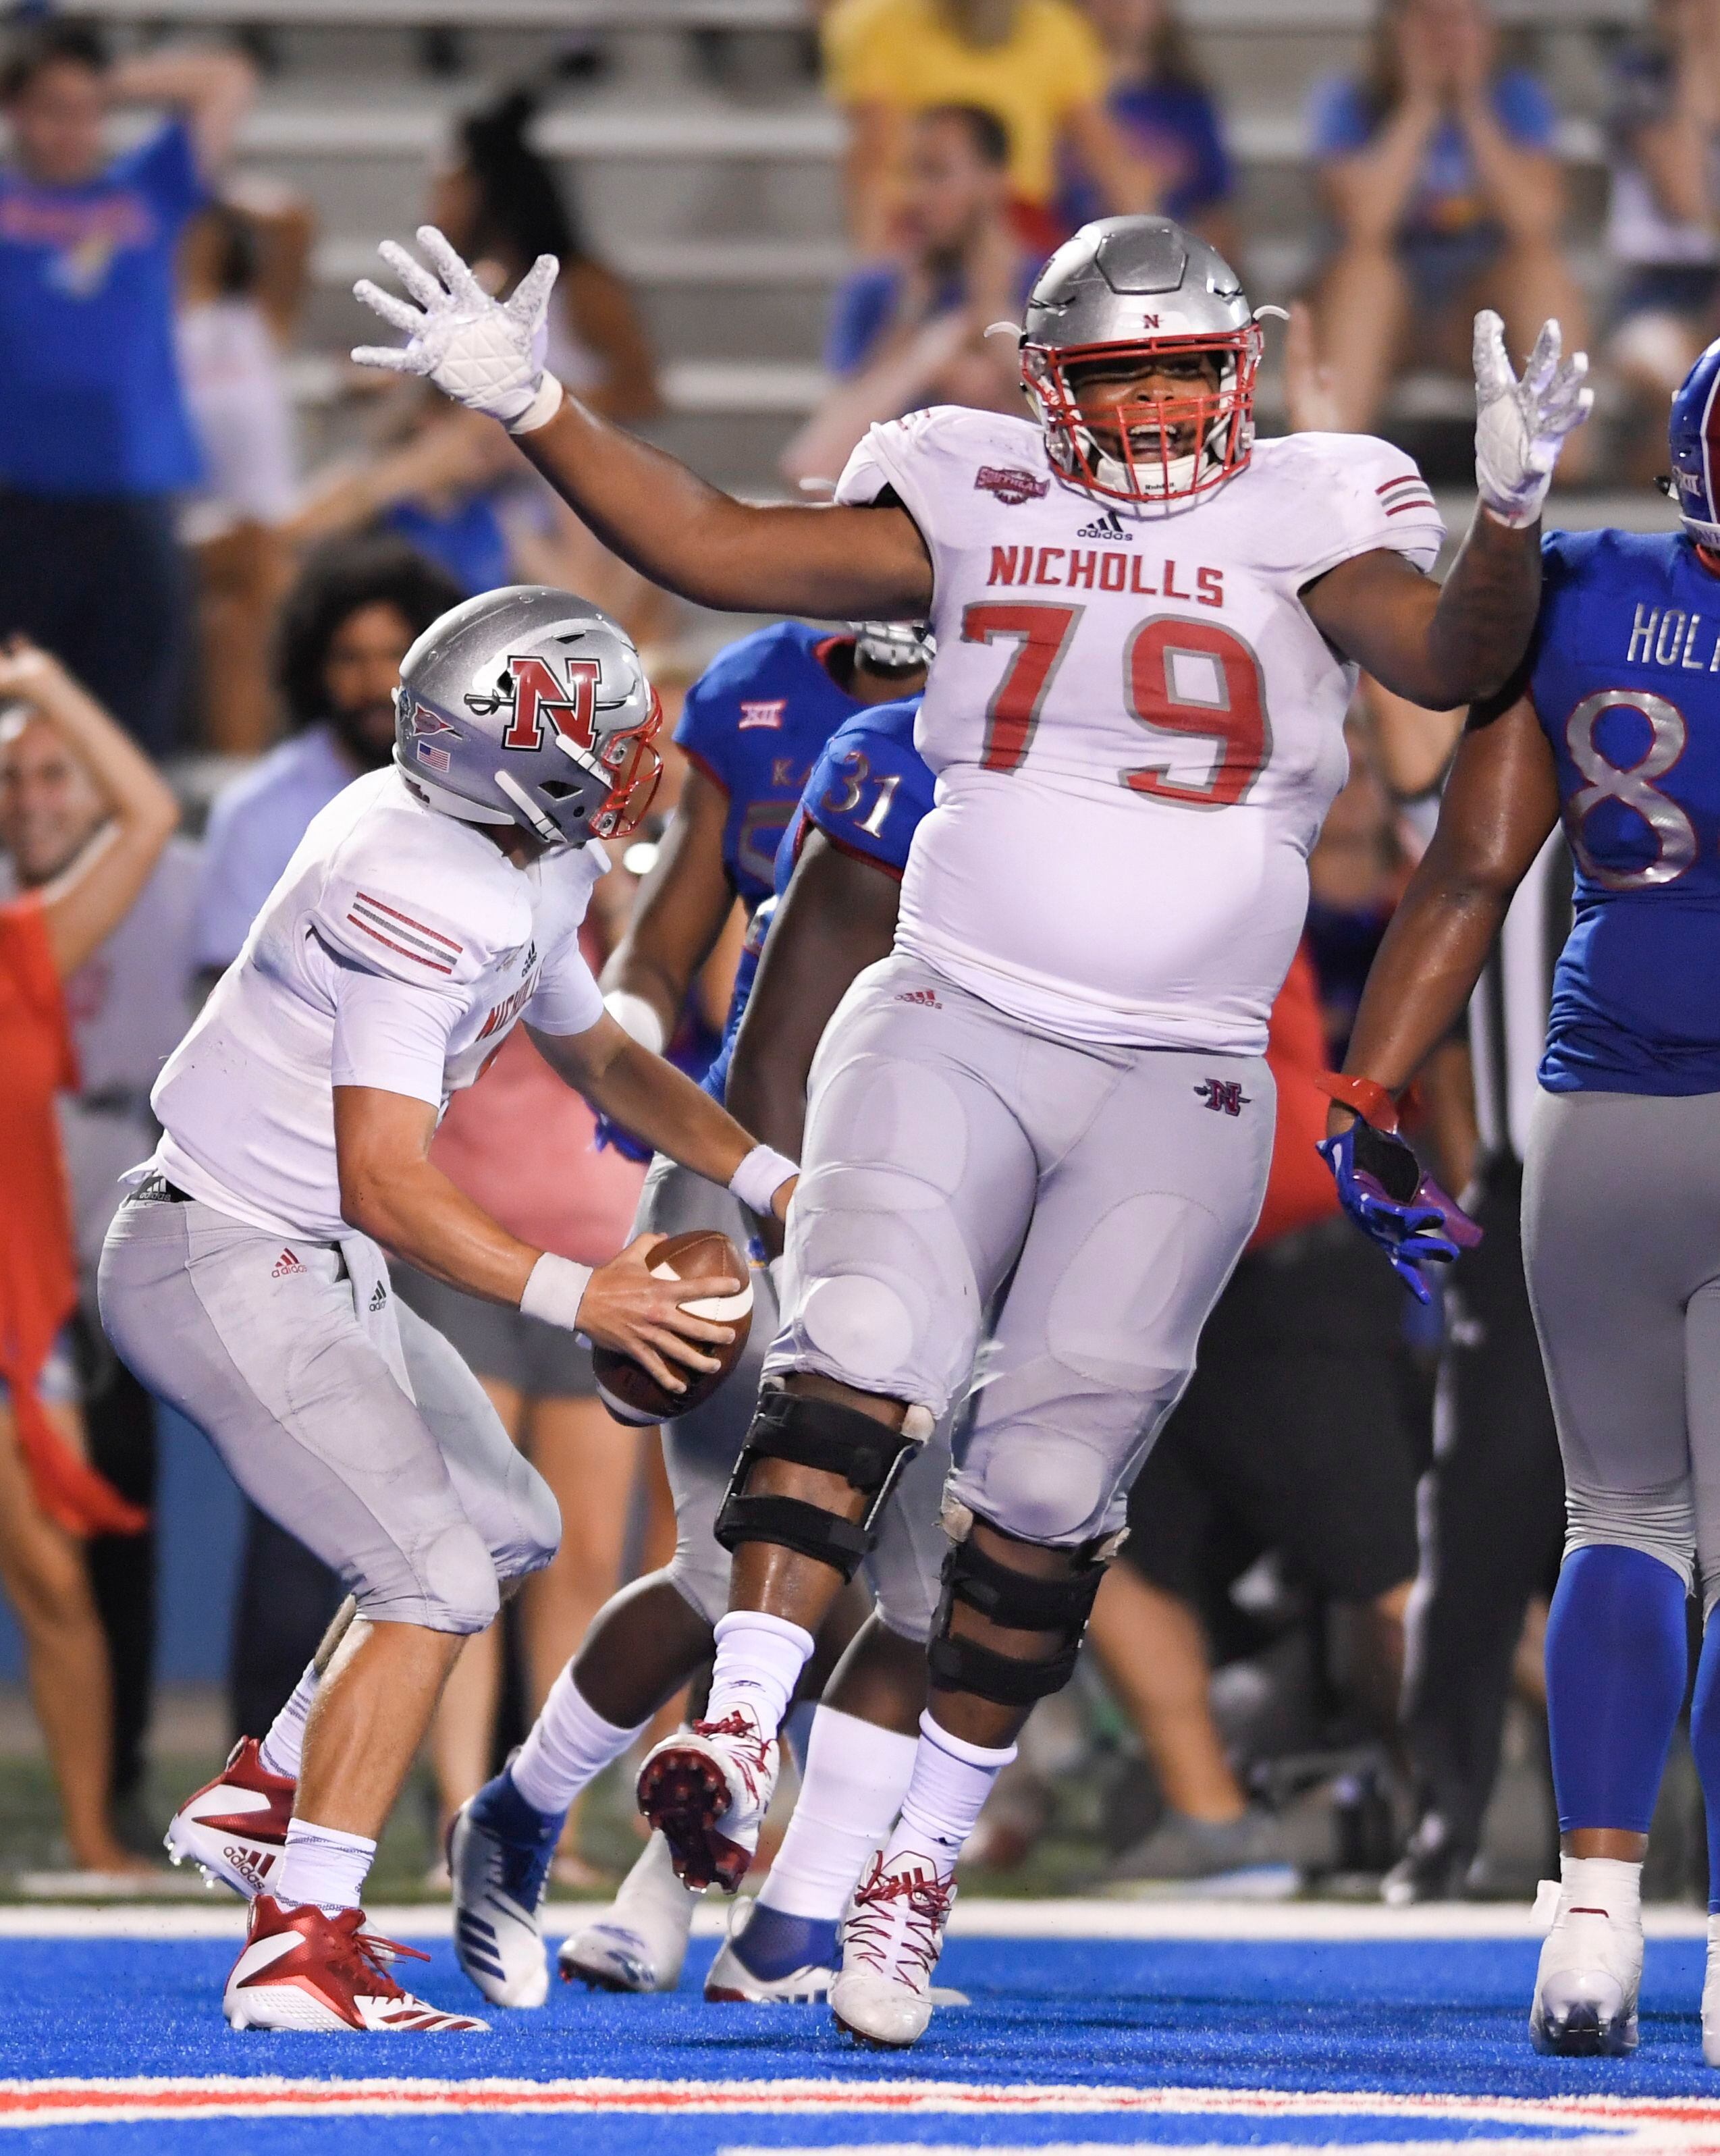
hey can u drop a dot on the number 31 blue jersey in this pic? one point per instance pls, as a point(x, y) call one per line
point(868, 792)
point(1625, 681)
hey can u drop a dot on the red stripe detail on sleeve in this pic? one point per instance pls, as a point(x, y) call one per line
point(447, 942)
point(435, 965)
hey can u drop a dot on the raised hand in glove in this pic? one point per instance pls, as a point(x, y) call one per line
point(1382, 1186)
point(1520, 425)
point(485, 353)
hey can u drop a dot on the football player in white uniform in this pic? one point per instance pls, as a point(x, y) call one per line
point(1049, 1104)
point(428, 908)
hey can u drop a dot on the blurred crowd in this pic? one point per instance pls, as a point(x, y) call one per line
point(1341, 1547)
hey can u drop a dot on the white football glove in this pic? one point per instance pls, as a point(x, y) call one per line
point(1521, 426)
point(486, 354)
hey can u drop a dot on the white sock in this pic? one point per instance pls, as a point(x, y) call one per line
point(759, 1660)
point(952, 1780)
point(1602, 1882)
point(325, 1865)
point(282, 1749)
point(570, 1745)
point(856, 1775)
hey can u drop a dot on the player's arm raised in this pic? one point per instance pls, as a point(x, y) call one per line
point(672, 525)
point(1500, 803)
point(1441, 645)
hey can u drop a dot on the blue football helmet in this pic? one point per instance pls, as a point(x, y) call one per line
point(1694, 438)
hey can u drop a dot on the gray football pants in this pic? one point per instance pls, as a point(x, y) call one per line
point(417, 1499)
point(1621, 1246)
point(700, 1448)
point(957, 1161)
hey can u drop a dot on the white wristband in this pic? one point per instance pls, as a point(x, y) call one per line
point(555, 1291)
point(542, 408)
point(760, 1177)
point(637, 1019)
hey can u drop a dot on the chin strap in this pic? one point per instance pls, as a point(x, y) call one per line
point(1366, 1095)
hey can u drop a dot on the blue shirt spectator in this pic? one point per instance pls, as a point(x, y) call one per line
point(94, 438)
point(1446, 200)
point(1166, 113)
point(90, 397)
point(909, 331)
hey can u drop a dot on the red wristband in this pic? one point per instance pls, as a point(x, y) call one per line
point(1366, 1095)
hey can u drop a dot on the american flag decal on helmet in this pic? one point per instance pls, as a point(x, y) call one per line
point(400, 933)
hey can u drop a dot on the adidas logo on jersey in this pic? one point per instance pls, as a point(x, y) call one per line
point(1110, 526)
point(378, 1298)
point(286, 1264)
point(926, 998)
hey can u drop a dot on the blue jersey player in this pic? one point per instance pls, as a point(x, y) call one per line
point(836, 875)
point(750, 729)
point(1613, 724)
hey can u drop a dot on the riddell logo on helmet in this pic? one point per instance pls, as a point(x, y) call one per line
point(1010, 483)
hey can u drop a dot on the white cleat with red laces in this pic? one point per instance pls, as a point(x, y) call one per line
point(234, 1828)
point(892, 1938)
point(707, 1789)
point(302, 1968)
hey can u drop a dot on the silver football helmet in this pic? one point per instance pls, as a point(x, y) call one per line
point(894, 647)
point(1123, 293)
point(528, 706)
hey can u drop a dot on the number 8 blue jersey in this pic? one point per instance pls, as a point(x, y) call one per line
point(1625, 681)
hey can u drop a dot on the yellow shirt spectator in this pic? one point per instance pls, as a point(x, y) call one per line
point(904, 53)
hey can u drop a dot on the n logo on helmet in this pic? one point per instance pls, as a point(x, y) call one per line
point(542, 702)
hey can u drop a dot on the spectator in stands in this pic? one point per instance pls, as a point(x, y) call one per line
point(502, 206)
point(909, 331)
point(94, 440)
point(128, 1004)
point(243, 274)
point(347, 622)
point(49, 1495)
point(432, 477)
point(1165, 108)
point(1664, 225)
point(1036, 64)
point(1439, 169)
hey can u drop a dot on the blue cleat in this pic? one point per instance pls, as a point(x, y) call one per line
point(498, 1853)
point(771, 1957)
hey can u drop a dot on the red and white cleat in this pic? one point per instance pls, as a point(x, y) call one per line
point(707, 1789)
point(234, 1828)
point(300, 1969)
point(892, 1938)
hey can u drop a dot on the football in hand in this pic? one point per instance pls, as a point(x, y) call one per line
point(626, 1387)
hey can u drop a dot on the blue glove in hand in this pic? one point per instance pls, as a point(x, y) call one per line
point(612, 1133)
point(1381, 1186)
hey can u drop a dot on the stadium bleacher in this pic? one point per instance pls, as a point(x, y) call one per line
point(706, 161)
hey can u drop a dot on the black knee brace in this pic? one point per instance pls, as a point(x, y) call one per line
point(821, 1433)
point(1019, 1602)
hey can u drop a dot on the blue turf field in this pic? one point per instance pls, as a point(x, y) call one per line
point(1289, 2043)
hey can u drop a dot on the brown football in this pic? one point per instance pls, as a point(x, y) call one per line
point(626, 1387)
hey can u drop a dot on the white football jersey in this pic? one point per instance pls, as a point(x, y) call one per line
point(438, 943)
point(1135, 726)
